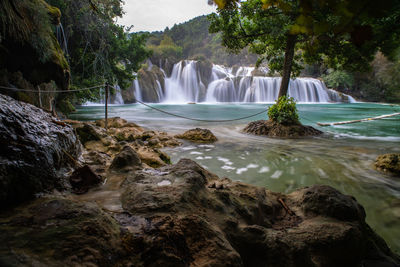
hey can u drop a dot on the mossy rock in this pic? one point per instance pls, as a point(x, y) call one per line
point(389, 163)
point(198, 135)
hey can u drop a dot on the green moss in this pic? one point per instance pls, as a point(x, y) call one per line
point(65, 107)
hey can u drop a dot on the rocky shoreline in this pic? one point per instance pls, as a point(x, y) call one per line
point(144, 211)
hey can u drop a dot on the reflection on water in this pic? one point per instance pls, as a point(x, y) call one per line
point(341, 158)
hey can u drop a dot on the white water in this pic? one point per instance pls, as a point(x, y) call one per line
point(185, 85)
point(118, 97)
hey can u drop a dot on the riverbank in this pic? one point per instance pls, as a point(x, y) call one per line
point(175, 215)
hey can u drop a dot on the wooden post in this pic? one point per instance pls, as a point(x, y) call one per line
point(106, 107)
point(39, 97)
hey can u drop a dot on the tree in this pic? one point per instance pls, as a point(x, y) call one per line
point(343, 33)
point(98, 49)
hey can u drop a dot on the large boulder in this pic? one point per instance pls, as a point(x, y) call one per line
point(59, 232)
point(235, 224)
point(273, 129)
point(35, 154)
point(389, 163)
point(198, 135)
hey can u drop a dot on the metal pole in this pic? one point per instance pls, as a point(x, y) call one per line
point(106, 107)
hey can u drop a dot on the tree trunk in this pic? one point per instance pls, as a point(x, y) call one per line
point(287, 64)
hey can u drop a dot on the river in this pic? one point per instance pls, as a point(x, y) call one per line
point(343, 157)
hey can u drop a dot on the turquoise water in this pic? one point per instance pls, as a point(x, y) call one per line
point(342, 157)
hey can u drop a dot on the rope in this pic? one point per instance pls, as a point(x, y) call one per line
point(194, 119)
point(55, 91)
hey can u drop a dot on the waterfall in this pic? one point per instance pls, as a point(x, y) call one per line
point(61, 38)
point(118, 97)
point(138, 91)
point(191, 82)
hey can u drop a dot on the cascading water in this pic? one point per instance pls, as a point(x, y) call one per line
point(118, 97)
point(138, 91)
point(189, 83)
point(61, 38)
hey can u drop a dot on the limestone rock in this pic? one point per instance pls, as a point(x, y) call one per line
point(272, 129)
point(87, 132)
point(179, 217)
point(198, 135)
point(59, 232)
point(326, 201)
point(83, 178)
point(127, 158)
point(183, 215)
point(35, 152)
point(153, 157)
point(388, 163)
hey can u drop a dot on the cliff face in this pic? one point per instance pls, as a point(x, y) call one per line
point(30, 56)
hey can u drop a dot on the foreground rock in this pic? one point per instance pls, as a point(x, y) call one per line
point(273, 129)
point(198, 135)
point(59, 232)
point(35, 152)
point(183, 215)
point(389, 163)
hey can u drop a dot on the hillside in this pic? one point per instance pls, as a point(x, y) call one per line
point(191, 40)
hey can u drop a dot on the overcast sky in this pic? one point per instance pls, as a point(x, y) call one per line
point(155, 15)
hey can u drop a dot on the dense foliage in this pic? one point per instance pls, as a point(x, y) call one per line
point(342, 34)
point(98, 49)
point(284, 111)
point(380, 84)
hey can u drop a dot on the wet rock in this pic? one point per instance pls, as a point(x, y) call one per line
point(198, 135)
point(127, 158)
point(83, 178)
point(115, 122)
point(272, 129)
point(249, 225)
point(389, 163)
point(59, 232)
point(183, 215)
point(35, 152)
point(152, 157)
point(87, 132)
point(327, 201)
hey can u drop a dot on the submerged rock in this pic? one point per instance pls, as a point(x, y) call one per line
point(273, 129)
point(198, 135)
point(388, 163)
point(35, 152)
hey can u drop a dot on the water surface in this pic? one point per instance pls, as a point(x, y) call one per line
point(342, 157)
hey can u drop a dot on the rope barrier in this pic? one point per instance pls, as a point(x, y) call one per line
point(195, 119)
point(55, 91)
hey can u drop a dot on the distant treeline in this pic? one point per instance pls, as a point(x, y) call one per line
point(191, 40)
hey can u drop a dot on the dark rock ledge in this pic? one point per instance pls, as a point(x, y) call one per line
point(273, 129)
point(182, 215)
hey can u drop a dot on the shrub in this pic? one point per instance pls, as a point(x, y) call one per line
point(284, 111)
point(338, 78)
